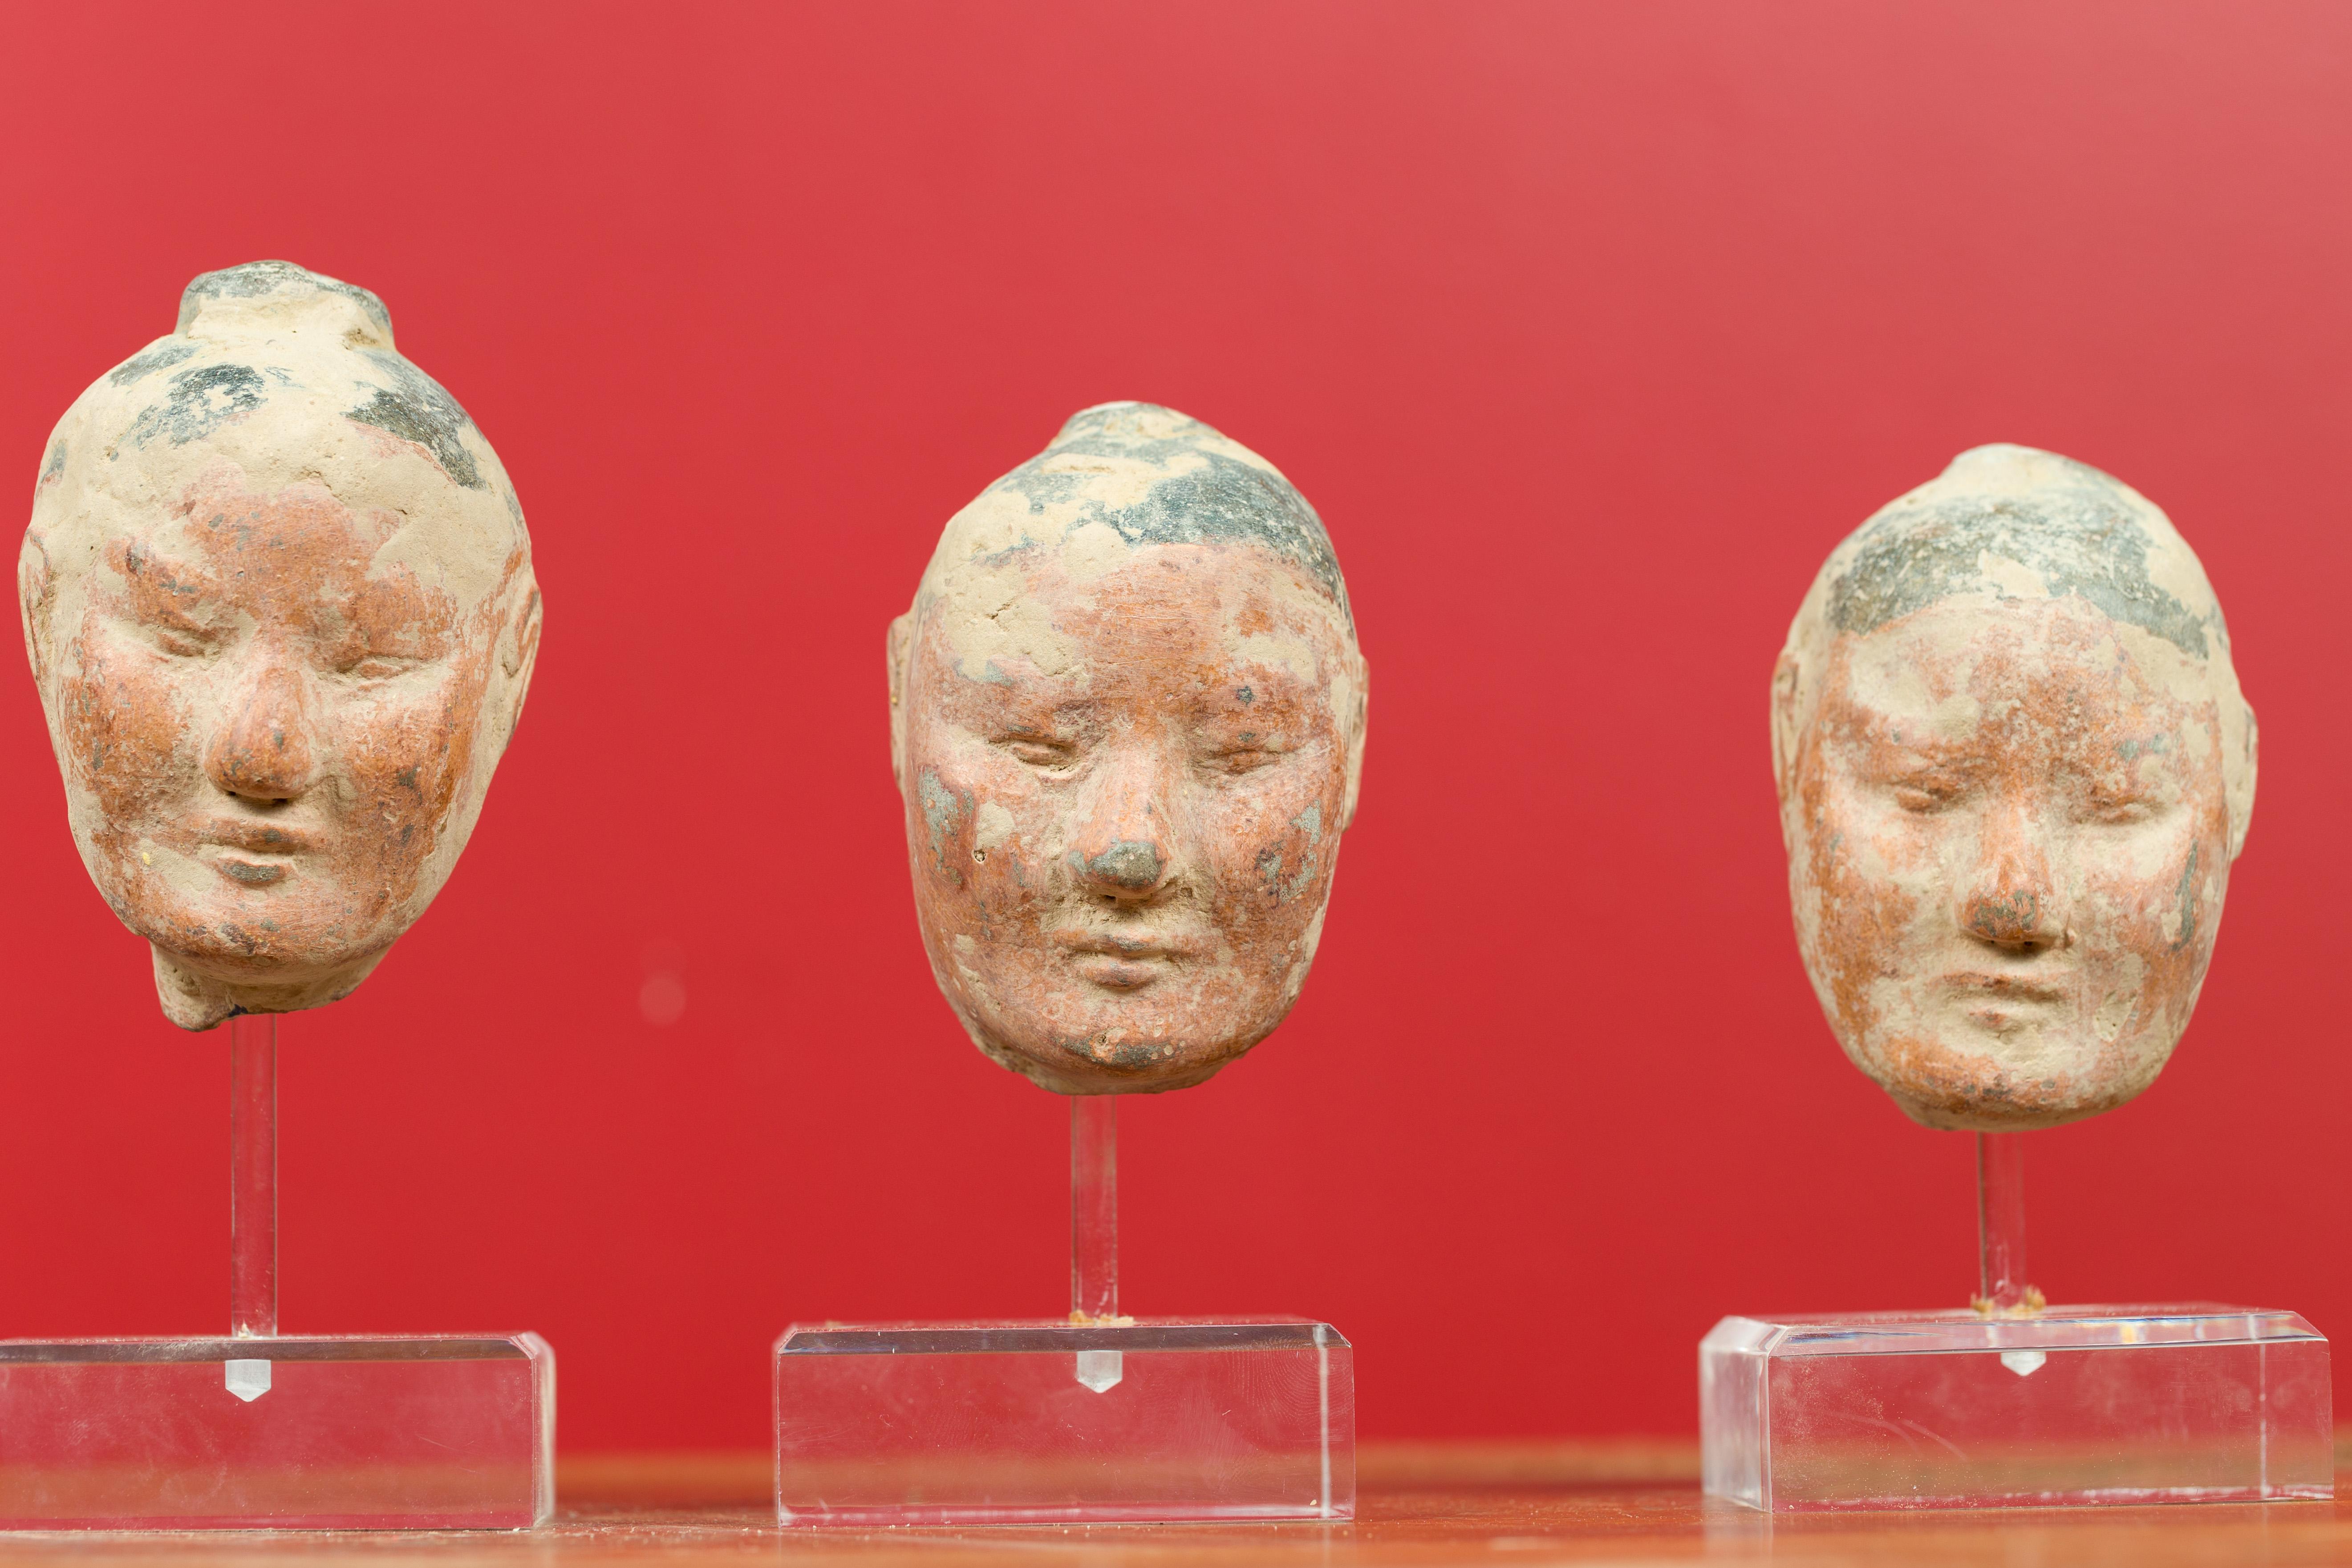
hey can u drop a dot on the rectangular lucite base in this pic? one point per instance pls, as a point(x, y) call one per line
point(331, 1433)
point(2073, 1405)
point(1013, 1423)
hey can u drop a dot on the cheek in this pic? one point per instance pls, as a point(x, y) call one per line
point(1270, 850)
point(976, 833)
point(403, 761)
point(2156, 898)
point(124, 729)
point(1019, 836)
point(1878, 875)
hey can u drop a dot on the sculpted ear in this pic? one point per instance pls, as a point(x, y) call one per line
point(519, 649)
point(519, 652)
point(2239, 783)
point(901, 640)
point(514, 654)
point(1786, 682)
point(1355, 742)
point(36, 589)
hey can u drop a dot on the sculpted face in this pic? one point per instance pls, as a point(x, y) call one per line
point(280, 602)
point(1129, 715)
point(2014, 769)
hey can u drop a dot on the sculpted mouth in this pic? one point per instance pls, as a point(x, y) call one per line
point(1120, 946)
point(252, 854)
point(256, 837)
point(1117, 962)
point(2002, 1003)
point(2017, 988)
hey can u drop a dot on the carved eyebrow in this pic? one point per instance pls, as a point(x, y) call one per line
point(1264, 693)
point(1897, 765)
point(1921, 740)
point(405, 612)
point(157, 579)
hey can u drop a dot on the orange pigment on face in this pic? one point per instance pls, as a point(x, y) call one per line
point(272, 734)
point(2017, 840)
point(1121, 866)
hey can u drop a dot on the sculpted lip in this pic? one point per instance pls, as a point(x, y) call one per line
point(249, 853)
point(1119, 962)
point(1120, 946)
point(256, 837)
point(2003, 1002)
point(2010, 987)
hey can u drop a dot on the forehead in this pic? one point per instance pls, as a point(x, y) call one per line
point(1100, 607)
point(358, 515)
point(2062, 655)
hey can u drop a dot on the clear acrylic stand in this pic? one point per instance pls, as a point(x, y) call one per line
point(2014, 1402)
point(1096, 1418)
point(260, 1430)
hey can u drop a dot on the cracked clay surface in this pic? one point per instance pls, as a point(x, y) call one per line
point(278, 600)
point(2014, 768)
point(1127, 721)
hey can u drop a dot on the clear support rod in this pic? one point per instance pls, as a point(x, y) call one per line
point(253, 1175)
point(1093, 1206)
point(2001, 1226)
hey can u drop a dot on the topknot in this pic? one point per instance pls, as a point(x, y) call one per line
point(269, 293)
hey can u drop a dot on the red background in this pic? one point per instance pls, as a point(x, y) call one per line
point(1590, 329)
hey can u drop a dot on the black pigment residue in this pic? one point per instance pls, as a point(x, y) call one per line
point(2080, 537)
point(198, 403)
point(415, 408)
point(161, 356)
point(1218, 500)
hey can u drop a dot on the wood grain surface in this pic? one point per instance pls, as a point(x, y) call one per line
point(1500, 1503)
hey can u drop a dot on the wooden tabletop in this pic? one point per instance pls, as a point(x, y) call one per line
point(1503, 1504)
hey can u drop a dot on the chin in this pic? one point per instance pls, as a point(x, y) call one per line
point(283, 940)
point(1140, 1061)
point(199, 994)
point(231, 964)
point(1071, 1071)
point(1971, 1081)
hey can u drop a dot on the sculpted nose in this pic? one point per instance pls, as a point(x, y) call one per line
point(1122, 850)
point(263, 752)
point(2011, 899)
point(1131, 865)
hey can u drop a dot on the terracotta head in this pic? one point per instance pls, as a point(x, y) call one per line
point(2014, 767)
point(278, 599)
point(1127, 721)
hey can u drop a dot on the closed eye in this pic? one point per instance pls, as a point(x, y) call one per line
point(178, 643)
point(1924, 797)
point(181, 639)
point(1049, 755)
point(376, 665)
point(1242, 759)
